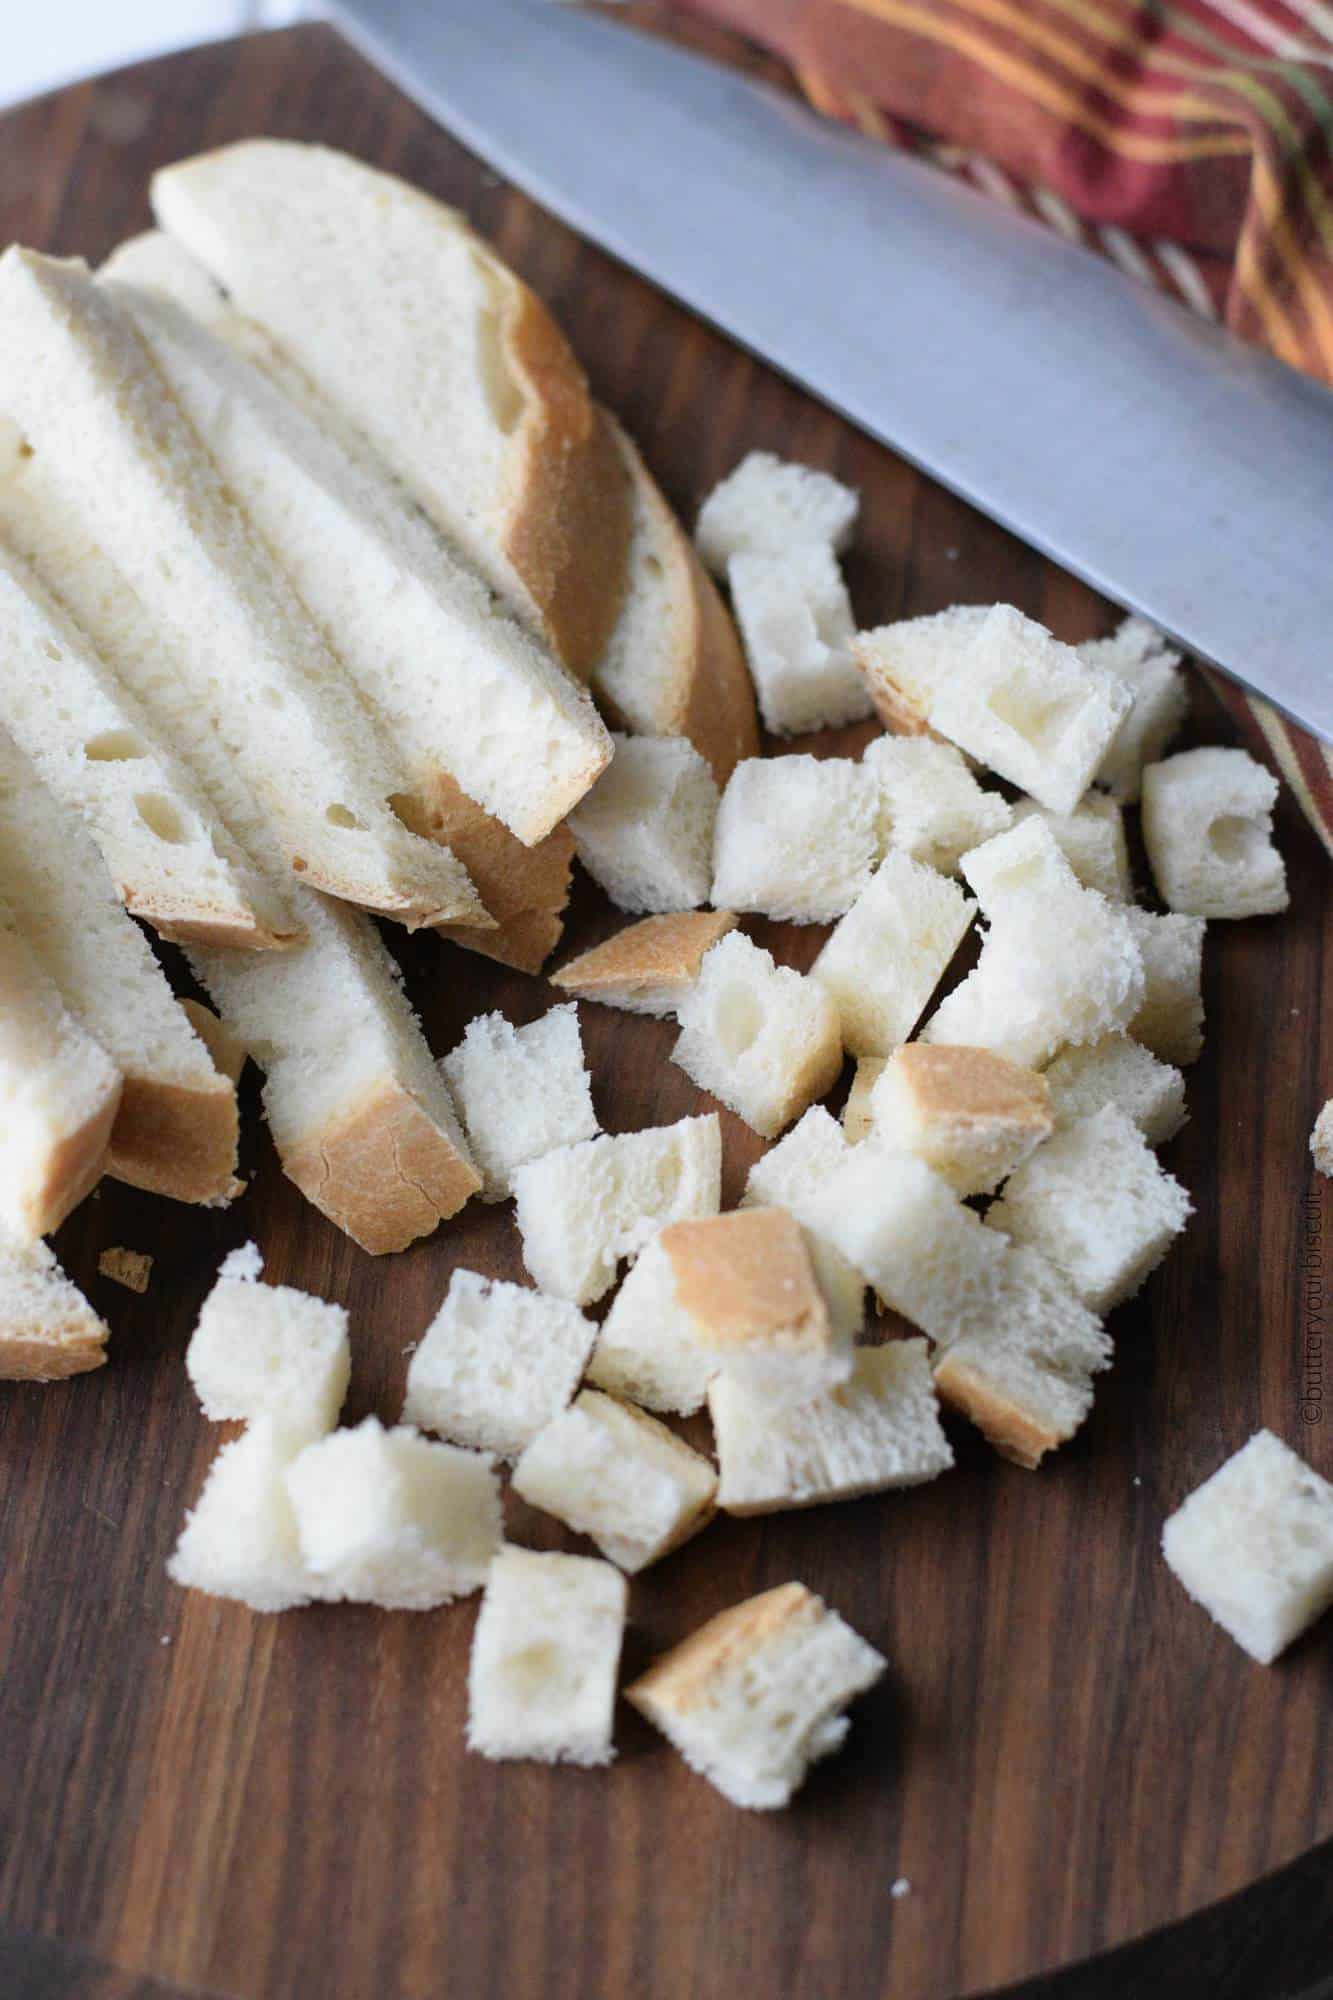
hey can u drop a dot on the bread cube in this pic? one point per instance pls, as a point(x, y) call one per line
point(1208, 827)
point(905, 665)
point(240, 1539)
point(131, 1268)
point(545, 1654)
point(930, 805)
point(878, 1429)
point(1025, 860)
point(1096, 1201)
point(769, 506)
point(1092, 840)
point(1169, 1020)
point(796, 837)
point(645, 830)
point(889, 953)
point(1321, 1140)
point(583, 1208)
point(969, 1114)
point(609, 1471)
point(649, 967)
point(747, 1284)
point(857, 1117)
point(796, 627)
point(520, 1092)
point(1030, 708)
point(386, 1517)
point(647, 1351)
point(496, 1363)
point(1137, 654)
point(758, 1036)
point(1118, 1070)
point(1254, 1546)
point(754, 1697)
point(789, 1175)
point(268, 1350)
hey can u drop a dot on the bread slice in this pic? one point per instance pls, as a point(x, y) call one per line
point(175, 1127)
point(495, 1364)
point(889, 953)
point(268, 1351)
point(545, 1654)
point(48, 1330)
point(455, 372)
point(172, 860)
point(521, 1092)
point(796, 838)
point(971, 1115)
point(525, 889)
point(759, 1036)
point(877, 1430)
point(1092, 840)
point(768, 506)
point(252, 678)
point(1137, 654)
point(857, 1117)
point(608, 1471)
point(1118, 1070)
point(673, 664)
point(1207, 826)
point(1169, 1020)
point(904, 665)
point(790, 1175)
point(930, 805)
point(240, 1539)
point(645, 830)
point(226, 1048)
point(796, 625)
point(755, 1697)
point(647, 1350)
point(649, 967)
point(1321, 1140)
point(1254, 1546)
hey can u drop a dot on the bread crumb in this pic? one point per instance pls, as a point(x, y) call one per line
point(244, 1264)
point(902, 1887)
point(131, 1268)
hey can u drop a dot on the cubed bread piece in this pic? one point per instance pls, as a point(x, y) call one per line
point(1096, 1201)
point(48, 1330)
point(1030, 708)
point(758, 1036)
point(769, 506)
point(905, 665)
point(877, 1430)
point(796, 627)
point(754, 1697)
point(789, 1175)
point(1254, 1546)
point(1137, 654)
point(608, 1471)
point(1022, 1368)
point(1208, 829)
point(930, 805)
point(520, 1092)
point(583, 1208)
point(857, 1116)
point(1118, 1070)
point(645, 830)
point(889, 953)
point(268, 1350)
point(1169, 1020)
point(648, 967)
point(542, 1680)
point(968, 1113)
point(927, 1255)
point(747, 1283)
point(496, 1363)
point(1025, 860)
point(1321, 1140)
point(1092, 840)
point(240, 1539)
point(389, 1518)
point(647, 1351)
point(796, 838)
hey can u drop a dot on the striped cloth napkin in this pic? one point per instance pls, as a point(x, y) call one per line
point(1190, 141)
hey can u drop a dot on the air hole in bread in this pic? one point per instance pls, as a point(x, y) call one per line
point(341, 816)
point(299, 864)
point(1236, 840)
point(1039, 720)
point(408, 810)
point(51, 650)
point(161, 817)
point(737, 1019)
point(114, 746)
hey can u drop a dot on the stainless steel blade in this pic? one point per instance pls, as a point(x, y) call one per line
point(1184, 474)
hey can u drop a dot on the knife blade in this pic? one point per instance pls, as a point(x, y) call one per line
point(1175, 469)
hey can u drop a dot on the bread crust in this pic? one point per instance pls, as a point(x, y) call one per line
point(224, 1045)
point(1012, 1430)
point(53, 1351)
point(382, 1171)
point(950, 1083)
point(746, 1277)
point(896, 709)
point(525, 889)
point(175, 1139)
point(656, 952)
point(207, 924)
point(675, 1683)
point(76, 1165)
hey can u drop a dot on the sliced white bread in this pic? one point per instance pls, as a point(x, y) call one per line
point(905, 664)
point(645, 830)
point(1118, 1070)
point(428, 343)
point(790, 1175)
point(1092, 840)
point(649, 967)
point(542, 1678)
point(1169, 1020)
point(268, 1351)
point(48, 1330)
point(885, 958)
point(930, 805)
point(1137, 654)
point(521, 1092)
point(768, 506)
point(1208, 829)
point(796, 837)
point(761, 1037)
point(240, 1539)
point(647, 1351)
point(971, 1115)
point(796, 623)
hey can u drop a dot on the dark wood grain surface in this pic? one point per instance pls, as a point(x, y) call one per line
point(1066, 1753)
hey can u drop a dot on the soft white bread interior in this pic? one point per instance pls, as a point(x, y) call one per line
point(497, 1362)
point(796, 837)
point(1118, 1070)
point(904, 665)
point(645, 830)
point(796, 626)
point(453, 370)
point(878, 1429)
point(268, 1351)
point(582, 1208)
point(649, 967)
point(969, 1114)
point(759, 1036)
point(888, 954)
point(1254, 1546)
point(48, 1330)
point(520, 1092)
point(1092, 840)
point(790, 1175)
point(1025, 860)
point(930, 805)
point(755, 1697)
point(610, 1472)
point(1321, 1140)
point(240, 1539)
point(1208, 829)
point(857, 1117)
point(1169, 1020)
point(545, 1654)
point(768, 506)
point(1137, 654)
point(647, 1349)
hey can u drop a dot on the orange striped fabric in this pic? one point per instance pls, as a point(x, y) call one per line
point(1190, 141)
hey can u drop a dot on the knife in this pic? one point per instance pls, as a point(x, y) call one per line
point(1172, 467)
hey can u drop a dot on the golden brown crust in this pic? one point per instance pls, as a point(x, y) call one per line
point(900, 712)
point(131, 1268)
point(746, 1277)
point(176, 1139)
point(75, 1166)
point(224, 1045)
point(950, 1082)
point(525, 889)
point(1014, 1431)
point(233, 934)
point(384, 1172)
point(676, 1682)
point(52, 1353)
point(656, 953)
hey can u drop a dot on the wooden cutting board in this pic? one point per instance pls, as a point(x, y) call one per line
point(1065, 1753)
